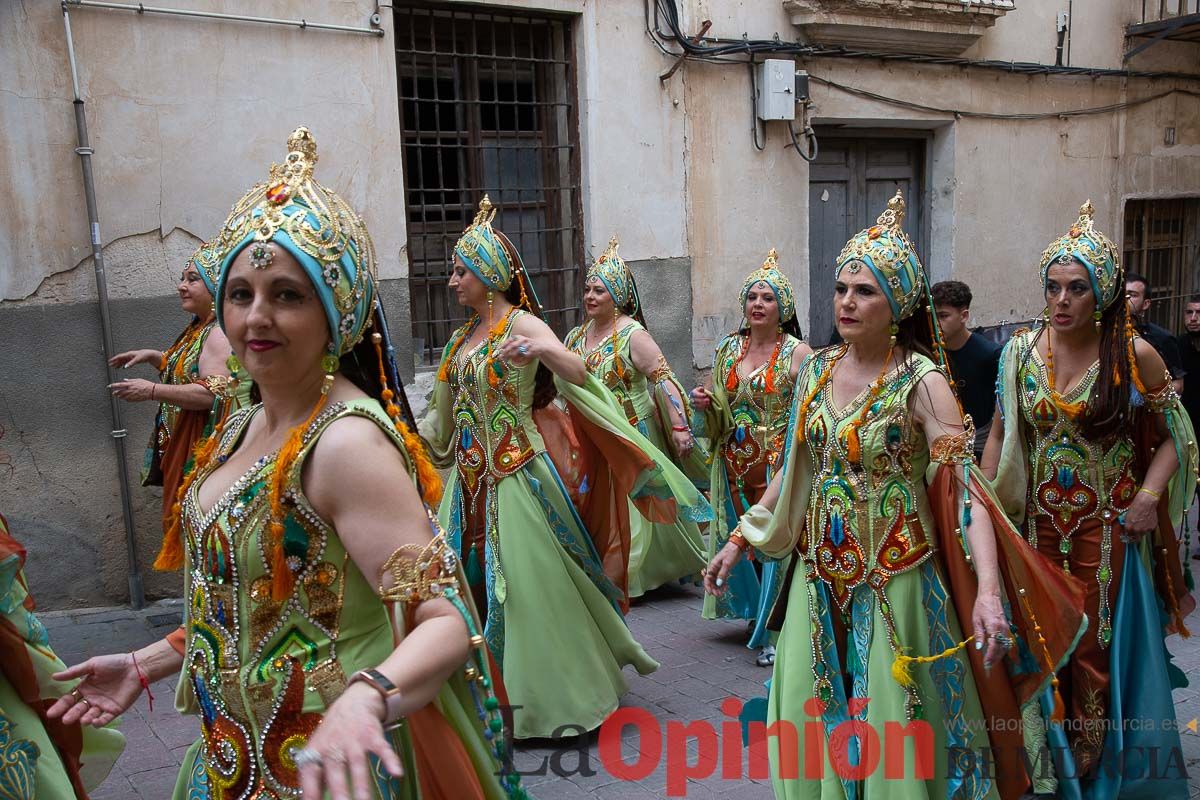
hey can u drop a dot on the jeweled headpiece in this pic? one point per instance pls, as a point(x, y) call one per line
point(207, 261)
point(482, 250)
point(887, 251)
point(1095, 251)
point(318, 228)
point(614, 273)
point(770, 274)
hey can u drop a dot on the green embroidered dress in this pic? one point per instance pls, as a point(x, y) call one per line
point(746, 436)
point(868, 585)
point(552, 619)
point(39, 760)
point(659, 552)
point(260, 672)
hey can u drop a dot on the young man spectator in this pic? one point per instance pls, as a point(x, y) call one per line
point(974, 359)
point(1137, 290)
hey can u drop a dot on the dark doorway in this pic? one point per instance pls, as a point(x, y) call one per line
point(849, 186)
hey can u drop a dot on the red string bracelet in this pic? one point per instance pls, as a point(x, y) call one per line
point(142, 680)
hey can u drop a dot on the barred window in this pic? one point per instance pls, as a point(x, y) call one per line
point(1162, 242)
point(488, 106)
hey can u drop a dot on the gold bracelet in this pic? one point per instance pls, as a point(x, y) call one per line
point(1150, 492)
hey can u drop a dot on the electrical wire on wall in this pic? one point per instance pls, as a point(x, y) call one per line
point(737, 51)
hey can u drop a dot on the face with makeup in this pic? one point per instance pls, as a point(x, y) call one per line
point(860, 308)
point(1069, 296)
point(273, 318)
point(194, 296)
point(762, 306)
point(468, 289)
point(598, 302)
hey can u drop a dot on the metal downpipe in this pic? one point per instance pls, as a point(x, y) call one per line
point(137, 594)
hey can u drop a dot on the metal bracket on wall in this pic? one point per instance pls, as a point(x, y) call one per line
point(1158, 31)
point(142, 8)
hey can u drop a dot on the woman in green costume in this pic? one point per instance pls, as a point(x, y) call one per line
point(745, 418)
point(896, 539)
point(1095, 457)
point(543, 555)
point(195, 392)
point(616, 347)
point(40, 757)
point(330, 639)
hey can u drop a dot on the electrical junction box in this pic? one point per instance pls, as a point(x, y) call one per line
point(776, 87)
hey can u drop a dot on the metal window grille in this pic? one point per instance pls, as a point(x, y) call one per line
point(488, 105)
point(1162, 242)
point(1155, 10)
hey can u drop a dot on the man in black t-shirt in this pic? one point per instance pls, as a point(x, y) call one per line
point(1137, 291)
point(974, 359)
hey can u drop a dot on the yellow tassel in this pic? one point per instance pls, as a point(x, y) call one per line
point(902, 666)
point(901, 670)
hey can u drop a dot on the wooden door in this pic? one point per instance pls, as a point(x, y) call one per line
point(848, 188)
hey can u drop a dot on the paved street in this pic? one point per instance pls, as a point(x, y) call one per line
point(702, 663)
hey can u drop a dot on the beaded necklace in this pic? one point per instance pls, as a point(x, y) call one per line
point(1072, 410)
point(852, 443)
point(731, 380)
point(175, 362)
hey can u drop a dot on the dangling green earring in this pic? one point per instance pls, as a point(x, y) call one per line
point(894, 329)
point(1096, 318)
point(233, 364)
point(330, 364)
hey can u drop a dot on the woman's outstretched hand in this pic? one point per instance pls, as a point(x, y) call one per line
point(108, 688)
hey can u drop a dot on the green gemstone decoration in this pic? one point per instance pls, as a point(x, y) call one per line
point(1103, 573)
point(1064, 546)
point(233, 364)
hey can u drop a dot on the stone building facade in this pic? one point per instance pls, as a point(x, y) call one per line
point(580, 120)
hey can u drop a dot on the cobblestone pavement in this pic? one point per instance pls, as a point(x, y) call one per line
point(702, 663)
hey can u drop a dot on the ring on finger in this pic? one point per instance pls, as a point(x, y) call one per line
point(76, 694)
point(303, 757)
point(523, 349)
point(86, 702)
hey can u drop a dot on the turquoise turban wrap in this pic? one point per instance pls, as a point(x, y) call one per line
point(1095, 251)
point(887, 251)
point(481, 249)
point(611, 270)
point(770, 274)
point(317, 228)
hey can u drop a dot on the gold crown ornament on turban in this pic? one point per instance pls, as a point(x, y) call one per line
point(1095, 251)
point(320, 229)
